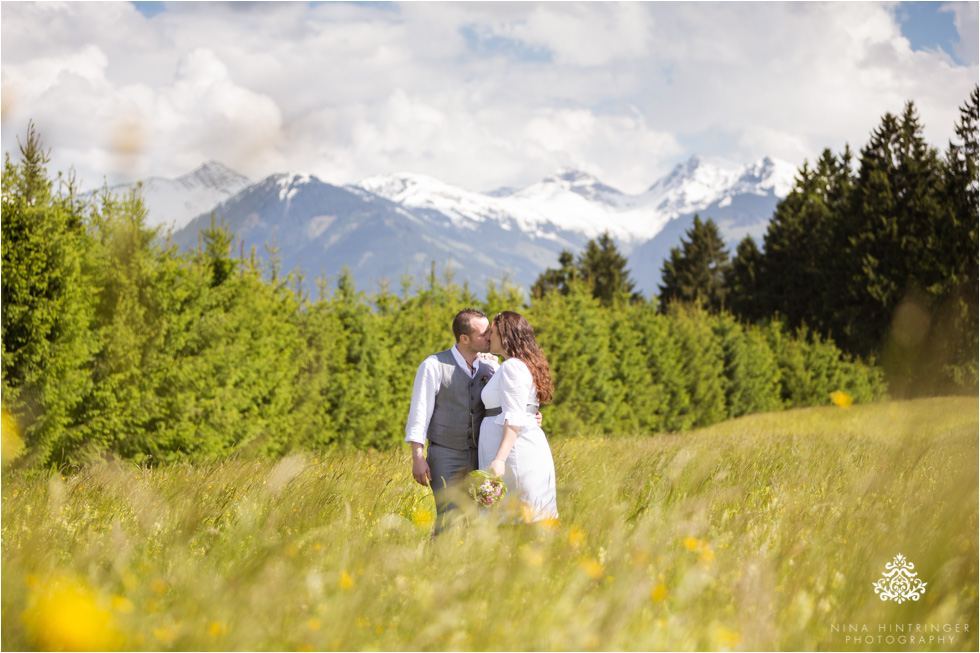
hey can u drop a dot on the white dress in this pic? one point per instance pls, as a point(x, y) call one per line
point(529, 469)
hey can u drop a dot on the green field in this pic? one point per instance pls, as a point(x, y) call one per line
point(766, 532)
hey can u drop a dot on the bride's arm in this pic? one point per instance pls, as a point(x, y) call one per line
point(515, 388)
point(498, 466)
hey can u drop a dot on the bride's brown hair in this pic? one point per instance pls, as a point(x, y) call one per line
point(517, 340)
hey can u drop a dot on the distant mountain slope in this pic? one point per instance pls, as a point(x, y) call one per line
point(392, 224)
point(175, 202)
point(321, 228)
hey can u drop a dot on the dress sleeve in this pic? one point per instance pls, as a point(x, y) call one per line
point(516, 383)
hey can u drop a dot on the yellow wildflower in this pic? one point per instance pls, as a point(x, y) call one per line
point(63, 614)
point(11, 443)
point(122, 604)
point(659, 593)
point(422, 517)
point(592, 568)
point(346, 582)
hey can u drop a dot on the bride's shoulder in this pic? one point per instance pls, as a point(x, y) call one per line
point(516, 366)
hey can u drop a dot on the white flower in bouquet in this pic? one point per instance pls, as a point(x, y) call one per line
point(487, 490)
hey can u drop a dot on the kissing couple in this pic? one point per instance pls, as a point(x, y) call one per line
point(478, 414)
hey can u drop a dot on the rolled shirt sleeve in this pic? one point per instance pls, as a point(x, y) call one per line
point(423, 401)
point(516, 386)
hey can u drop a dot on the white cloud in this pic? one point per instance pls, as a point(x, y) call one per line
point(966, 18)
point(477, 94)
point(586, 34)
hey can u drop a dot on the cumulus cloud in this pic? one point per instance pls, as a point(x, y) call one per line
point(966, 19)
point(477, 94)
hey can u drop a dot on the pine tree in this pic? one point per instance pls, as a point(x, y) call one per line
point(218, 243)
point(895, 247)
point(632, 381)
point(702, 364)
point(556, 280)
point(46, 307)
point(600, 266)
point(958, 239)
point(743, 281)
point(751, 373)
point(669, 405)
point(801, 277)
point(573, 332)
point(123, 264)
point(604, 269)
point(695, 272)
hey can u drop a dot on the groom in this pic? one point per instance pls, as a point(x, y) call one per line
point(447, 410)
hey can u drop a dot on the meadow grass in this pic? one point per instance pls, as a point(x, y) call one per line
point(765, 532)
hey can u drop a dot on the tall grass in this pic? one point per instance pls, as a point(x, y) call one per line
point(765, 532)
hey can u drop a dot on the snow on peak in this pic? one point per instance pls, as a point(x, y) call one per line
point(699, 182)
point(464, 208)
point(175, 202)
point(214, 175)
point(409, 188)
point(768, 174)
point(573, 200)
point(290, 183)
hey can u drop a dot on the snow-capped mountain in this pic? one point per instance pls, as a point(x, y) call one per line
point(320, 228)
point(573, 201)
point(392, 224)
point(175, 202)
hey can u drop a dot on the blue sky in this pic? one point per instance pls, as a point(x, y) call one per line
point(478, 94)
point(928, 26)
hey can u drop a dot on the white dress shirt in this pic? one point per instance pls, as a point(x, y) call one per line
point(427, 382)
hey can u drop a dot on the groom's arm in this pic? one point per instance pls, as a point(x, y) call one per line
point(419, 416)
point(420, 466)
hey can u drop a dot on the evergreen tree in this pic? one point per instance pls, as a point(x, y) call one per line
point(702, 368)
point(743, 281)
point(362, 407)
point(123, 264)
point(958, 239)
point(600, 266)
point(695, 272)
point(574, 334)
point(669, 405)
point(46, 307)
point(895, 247)
point(632, 381)
point(751, 371)
point(604, 269)
point(801, 275)
point(218, 243)
point(556, 280)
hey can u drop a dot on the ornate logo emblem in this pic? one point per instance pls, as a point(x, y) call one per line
point(899, 582)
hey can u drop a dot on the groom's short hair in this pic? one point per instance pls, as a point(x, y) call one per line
point(462, 321)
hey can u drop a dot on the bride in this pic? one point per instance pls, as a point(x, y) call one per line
point(512, 445)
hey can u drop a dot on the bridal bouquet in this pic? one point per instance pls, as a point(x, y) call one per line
point(487, 490)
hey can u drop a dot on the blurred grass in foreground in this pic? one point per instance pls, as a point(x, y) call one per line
point(765, 532)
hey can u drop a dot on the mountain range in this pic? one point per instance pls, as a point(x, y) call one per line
point(387, 226)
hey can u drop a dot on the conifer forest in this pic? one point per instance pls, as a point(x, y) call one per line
point(117, 345)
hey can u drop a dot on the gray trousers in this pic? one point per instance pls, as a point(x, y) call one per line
point(449, 469)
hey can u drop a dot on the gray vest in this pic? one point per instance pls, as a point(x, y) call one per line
point(458, 408)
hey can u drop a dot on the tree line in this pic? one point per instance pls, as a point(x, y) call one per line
point(879, 255)
point(114, 343)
